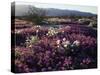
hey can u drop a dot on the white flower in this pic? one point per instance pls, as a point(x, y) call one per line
point(37, 31)
point(64, 39)
point(18, 31)
point(30, 46)
point(58, 46)
point(47, 34)
point(66, 43)
point(77, 43)
point(58, 42)
point(68, 27)
point(38, 26)
point(63, 31)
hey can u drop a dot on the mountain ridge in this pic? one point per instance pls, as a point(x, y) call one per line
point(22, 10)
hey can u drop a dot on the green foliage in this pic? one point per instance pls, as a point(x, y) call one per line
point(31, 40)
point(95, 25)
point(17, 53)
point(36, 15)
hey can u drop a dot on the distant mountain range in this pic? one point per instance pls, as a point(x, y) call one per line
point(21, 10)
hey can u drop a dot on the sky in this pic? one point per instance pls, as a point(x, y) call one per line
point(91, 9)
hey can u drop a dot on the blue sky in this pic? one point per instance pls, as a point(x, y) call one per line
point(91, 9)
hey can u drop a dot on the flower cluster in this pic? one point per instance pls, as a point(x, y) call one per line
point(52, 49)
